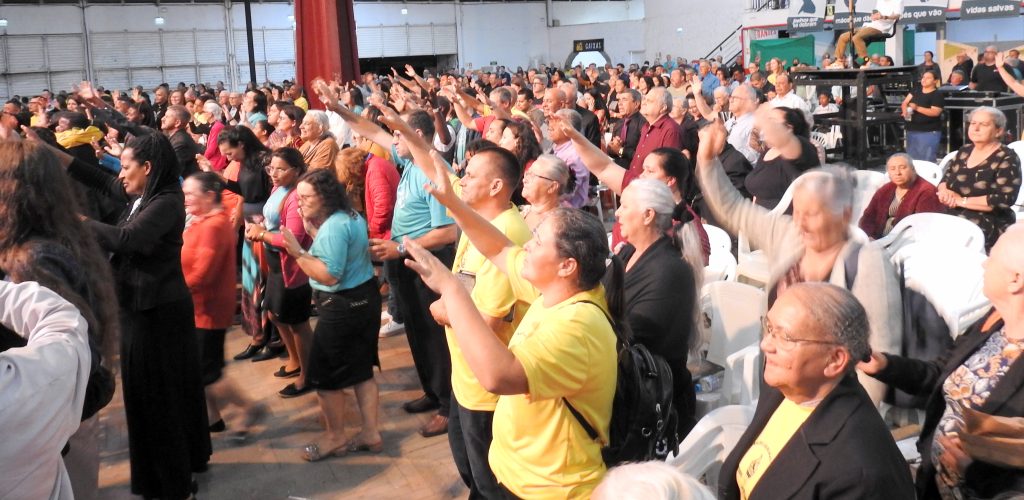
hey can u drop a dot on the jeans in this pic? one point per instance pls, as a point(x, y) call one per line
point(469, 435)
point(923, 145)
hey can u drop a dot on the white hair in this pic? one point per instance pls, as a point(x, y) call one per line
point(320, 117)
point(652, 480)
point(833, 185)
point(214, 109)
point(571, 116)
point(654, 195)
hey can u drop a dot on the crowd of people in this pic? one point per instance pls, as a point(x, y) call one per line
point(462, 209)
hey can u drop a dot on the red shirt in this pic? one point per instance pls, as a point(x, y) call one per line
point(663, 133)
point(380, 191)
point(208, 262)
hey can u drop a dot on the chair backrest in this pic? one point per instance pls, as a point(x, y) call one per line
point(721, 267)
point(710, 441)
point(938, 230)
point(944, 163)
point(732, 311)
point(820, 138)
point(928, 171)
point(741, 380)
point(952, 278)
point(742, 244)
point(718, 238)
point(868, 182)
point(1018, 147)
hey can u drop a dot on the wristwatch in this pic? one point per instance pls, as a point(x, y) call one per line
point(963, 201)
point(401, 250)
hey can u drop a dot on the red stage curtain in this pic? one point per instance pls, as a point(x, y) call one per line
point(325, 41)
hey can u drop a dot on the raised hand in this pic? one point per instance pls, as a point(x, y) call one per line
point(409, 70)
point(291, 244)
point(204, 162)
point(712, 141)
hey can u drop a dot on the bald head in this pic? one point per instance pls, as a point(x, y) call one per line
point(1004, 272)
point(554, 100)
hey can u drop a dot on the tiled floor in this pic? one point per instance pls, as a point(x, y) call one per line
point(269, 465)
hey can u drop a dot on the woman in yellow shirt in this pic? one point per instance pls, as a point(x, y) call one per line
point(564, 348)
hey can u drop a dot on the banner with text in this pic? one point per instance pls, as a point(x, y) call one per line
point(926, 11)
point(985, 9)
point(862, 13)
point(806, 15)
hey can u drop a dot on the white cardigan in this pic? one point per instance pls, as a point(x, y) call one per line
point(42, 390)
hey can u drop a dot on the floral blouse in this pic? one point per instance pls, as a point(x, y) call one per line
point(998, 178)
point(969, 386)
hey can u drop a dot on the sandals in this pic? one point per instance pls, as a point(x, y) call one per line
point(312, 453)
point(283, 373)
point(367, 447)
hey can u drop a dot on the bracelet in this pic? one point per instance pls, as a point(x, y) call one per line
point(260, 237)
point(963, 201)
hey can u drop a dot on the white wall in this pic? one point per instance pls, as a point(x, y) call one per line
point(1010, 29)
point(705, 23)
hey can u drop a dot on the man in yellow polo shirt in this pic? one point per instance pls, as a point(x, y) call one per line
point(491, 177)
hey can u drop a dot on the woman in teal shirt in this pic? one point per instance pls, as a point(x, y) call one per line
point(344, 349)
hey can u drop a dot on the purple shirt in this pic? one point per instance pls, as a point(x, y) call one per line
point(567, 153)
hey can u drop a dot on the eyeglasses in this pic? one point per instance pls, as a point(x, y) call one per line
point(531, 174)
point(782, 340)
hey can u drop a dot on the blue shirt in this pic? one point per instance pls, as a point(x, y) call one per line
point(709, 84)
point(342, 245)
point(416, 211)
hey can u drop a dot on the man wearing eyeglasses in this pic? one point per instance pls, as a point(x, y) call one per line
point(815, 432)
point(985, 77)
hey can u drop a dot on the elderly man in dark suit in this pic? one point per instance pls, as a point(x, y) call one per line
point(815, 433)
point(175, 125)
point(626, 133)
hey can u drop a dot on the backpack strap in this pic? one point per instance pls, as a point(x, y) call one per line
point(575, 413)
point(851, 263)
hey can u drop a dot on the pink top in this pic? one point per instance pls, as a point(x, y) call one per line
point(290, 218)
point(217, 161)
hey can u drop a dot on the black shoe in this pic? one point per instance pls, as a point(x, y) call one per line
point(282, 373)
point(290, 391)
point(218, 426)
point(421, 405)
point(269, 352)
point(249, 352)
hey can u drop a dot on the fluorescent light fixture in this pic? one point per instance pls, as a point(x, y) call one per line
point(159, 20)
point(679, 30)
point(3, 22)
point(291, 19)
point(405, 12)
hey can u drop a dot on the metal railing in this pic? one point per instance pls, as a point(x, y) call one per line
point(759, 5)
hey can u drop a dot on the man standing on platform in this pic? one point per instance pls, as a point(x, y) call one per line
point(882, 23)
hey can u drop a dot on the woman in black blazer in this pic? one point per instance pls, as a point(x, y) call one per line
point(168, 435)
point(982, 371)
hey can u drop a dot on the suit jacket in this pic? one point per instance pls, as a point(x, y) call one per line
point(185, 149)
point(843, 451)
point(633, 128)
point(926, 378)
point(920, 197)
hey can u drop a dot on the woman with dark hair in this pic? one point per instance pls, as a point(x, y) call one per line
point(519, 139)
point(784, 132)
point(344, 347)
point(562, 353)
point(373, 114)
point(287, 127)
point(288, 291)
point(248, 185)
point(353, 99)
point(43, 240)
point(168, 436)
point(208, 262)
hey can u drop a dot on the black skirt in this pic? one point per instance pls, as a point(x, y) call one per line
point(168, 432)
point(344, 349)
point(288, 305)
point(211, 354)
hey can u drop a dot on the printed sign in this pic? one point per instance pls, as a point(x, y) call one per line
point(806, 15)
point(928, 11)
point(595, 45)
point(985, 9)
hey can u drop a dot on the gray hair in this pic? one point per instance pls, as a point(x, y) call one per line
point(655, 195)
point(722, 90)
point(571, 116)
point(543, 77)
point(750, 90)
point(649, 481)
point(213, 108)
point(321, 118)
point(902, 156)
point(997, 116)
point(836, 313)
point(666, 98)
point(559, 171)
point(832, 184)
point(502, 95)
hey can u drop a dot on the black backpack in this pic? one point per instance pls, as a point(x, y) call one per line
point(644, 420)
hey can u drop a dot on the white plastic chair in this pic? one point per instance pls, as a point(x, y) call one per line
point(721, 262)
point(1018, 147)
point(868, 182)
point(710, 442)
point(752, 266)
point(928, 171)
point(944, 163)
point(820, 138)
point(741, 382)
point(938, 230)
point(732, 311)
point(952, 278)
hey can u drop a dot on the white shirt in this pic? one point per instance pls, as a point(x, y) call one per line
point(886, 8)
point(42, 390)
point(739, 128)
point(791, 100)
point(339, 128)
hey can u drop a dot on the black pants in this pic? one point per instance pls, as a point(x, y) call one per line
point(426, 337)
point(469, 435)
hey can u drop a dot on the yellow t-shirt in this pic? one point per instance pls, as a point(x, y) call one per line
point(781, 427)
point(493, 297)
point(302, 103)
point(540, 450)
